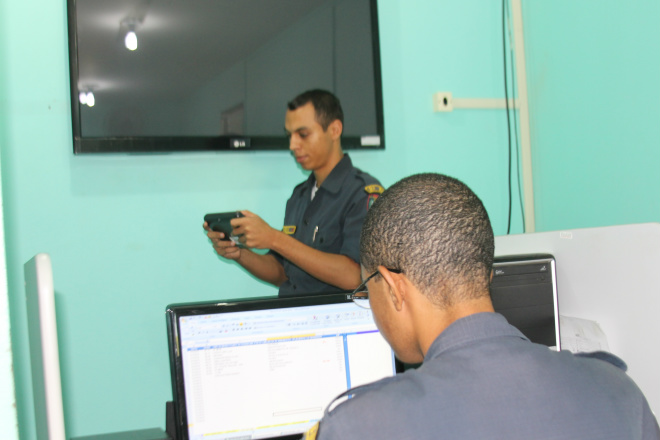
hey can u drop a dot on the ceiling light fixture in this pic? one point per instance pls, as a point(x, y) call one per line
point(131, 40)
point(87, 98)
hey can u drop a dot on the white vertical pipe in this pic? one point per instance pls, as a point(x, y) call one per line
point(525, 143)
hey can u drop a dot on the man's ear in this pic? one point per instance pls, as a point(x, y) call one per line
point(335, 129)
point(398, 288)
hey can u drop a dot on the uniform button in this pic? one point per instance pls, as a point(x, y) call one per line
point(321, 240)
point(295, 287)
point(306, 222)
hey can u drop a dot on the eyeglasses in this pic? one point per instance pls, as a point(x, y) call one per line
point(360, 296)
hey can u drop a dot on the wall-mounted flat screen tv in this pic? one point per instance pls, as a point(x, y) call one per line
point(206, 75)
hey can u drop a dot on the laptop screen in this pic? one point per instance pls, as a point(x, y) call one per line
point(268, 368)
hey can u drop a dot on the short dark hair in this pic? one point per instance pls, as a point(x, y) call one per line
point(437, 231)
point(327, 107)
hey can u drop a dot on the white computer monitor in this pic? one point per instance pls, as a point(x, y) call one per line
point(608, 275)
point(268, 368)
point(44, 351)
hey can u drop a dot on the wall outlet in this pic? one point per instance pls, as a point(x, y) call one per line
point(442, 102)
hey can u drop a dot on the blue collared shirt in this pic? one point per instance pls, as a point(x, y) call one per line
point(482, 379)
point(331, 222)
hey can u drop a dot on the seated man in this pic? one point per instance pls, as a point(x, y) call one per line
point(426, 251)
point(318, 249)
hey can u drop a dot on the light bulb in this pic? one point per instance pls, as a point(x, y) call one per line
point(82, 98)
point(131, 40)
point(90, 99)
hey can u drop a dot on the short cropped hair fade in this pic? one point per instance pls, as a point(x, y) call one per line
point(437, 231)
point(327, 107)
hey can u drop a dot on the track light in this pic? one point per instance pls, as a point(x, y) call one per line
point(131, 40)
point(87, 98)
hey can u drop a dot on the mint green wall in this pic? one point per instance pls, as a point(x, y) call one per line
point(124, 232)
point(8, 420)
point(594, 95)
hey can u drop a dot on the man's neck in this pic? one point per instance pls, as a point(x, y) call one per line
point(443, 318)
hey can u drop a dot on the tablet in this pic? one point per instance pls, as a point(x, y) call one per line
point(221, 222)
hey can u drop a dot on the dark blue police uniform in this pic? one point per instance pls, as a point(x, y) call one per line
point(482, 379)
point(330, 223)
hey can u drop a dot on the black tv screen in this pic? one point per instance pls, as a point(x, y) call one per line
point(217, 74)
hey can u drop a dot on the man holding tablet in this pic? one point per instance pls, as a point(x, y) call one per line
point(318, 248)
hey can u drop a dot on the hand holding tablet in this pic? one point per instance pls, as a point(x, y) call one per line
point(221, 222)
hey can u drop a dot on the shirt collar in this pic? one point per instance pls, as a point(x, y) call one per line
point(480, 326)
point(334, 181)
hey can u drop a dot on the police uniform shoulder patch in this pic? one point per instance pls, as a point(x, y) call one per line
point(289, 230)
point(312, 432)
point(374, 189)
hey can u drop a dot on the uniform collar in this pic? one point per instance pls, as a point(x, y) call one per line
point(334, 181)
point(477, 327)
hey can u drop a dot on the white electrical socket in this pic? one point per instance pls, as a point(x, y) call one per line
point(442, 102)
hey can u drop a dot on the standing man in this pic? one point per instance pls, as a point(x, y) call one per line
point(427, 252)
point(318, 248)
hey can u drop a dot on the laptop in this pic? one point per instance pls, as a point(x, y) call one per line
point(268, 367)
point(524, 290)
